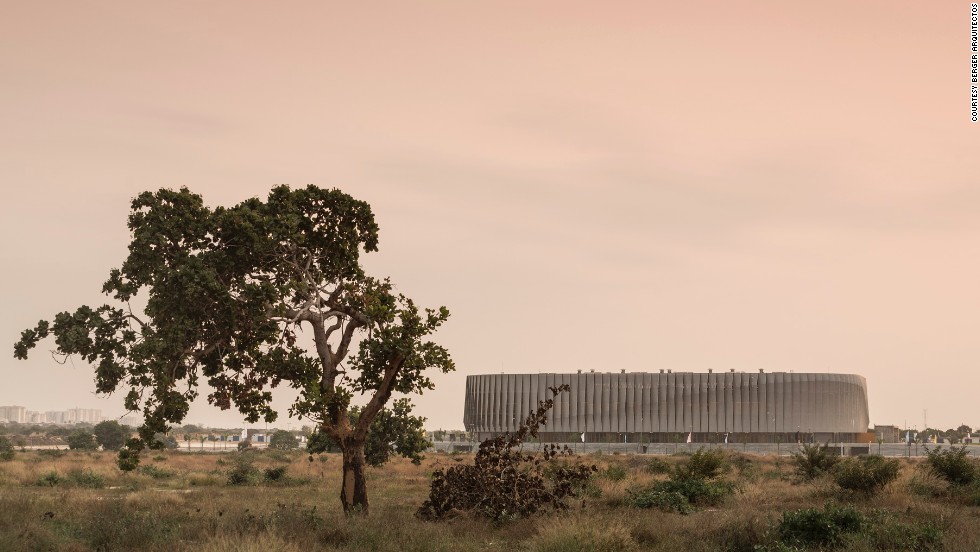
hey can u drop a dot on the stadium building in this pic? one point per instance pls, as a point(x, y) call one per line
point(674, 406)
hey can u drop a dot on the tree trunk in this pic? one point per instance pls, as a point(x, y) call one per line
point(353, 492)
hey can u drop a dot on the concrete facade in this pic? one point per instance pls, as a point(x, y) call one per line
point(665, 403)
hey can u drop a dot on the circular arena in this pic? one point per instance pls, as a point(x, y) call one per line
point(674, 406)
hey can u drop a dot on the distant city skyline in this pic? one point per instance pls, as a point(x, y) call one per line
point(24, 415)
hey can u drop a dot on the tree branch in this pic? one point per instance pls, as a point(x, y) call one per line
point(345, 340)
point(380, 397)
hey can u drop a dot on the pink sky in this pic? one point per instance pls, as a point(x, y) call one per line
point(595, 185)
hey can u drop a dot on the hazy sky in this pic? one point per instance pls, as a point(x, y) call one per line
point(595, 185)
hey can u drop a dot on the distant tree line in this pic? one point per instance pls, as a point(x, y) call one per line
point(953, 435)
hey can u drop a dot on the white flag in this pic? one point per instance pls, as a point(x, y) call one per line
point(583, 437)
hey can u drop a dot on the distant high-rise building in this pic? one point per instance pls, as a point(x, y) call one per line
point(13, 414)
point(131, 419)
point(83, 415)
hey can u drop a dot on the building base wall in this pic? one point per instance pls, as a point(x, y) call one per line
point(696, 438)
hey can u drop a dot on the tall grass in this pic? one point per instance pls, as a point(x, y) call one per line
point(186, 503)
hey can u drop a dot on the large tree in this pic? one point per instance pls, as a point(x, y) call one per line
point(110, 434)
point(229, 293)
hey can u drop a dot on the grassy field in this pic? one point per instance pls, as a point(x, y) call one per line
point(184, 501)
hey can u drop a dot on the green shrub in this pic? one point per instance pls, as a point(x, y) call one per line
point(614, 472)
point(952, 464)
point(703, 464)
point(277, 455)
point(691, 484)
point(926, 484)
point(866, 474)
point(699, 492)
point(86, 478)
point(887, 533)
point(275, 474)
point(652, 497)
point(680, 495)
point(813, 460)
point(82, 440)
point(242, 471)
point(588, 489)
point(155, 472)
point(969, 494)
point(50, 479)
point(745, 465)
point(6, 449)
point(50, 453)
point(830, 526)
point(128, 457)
point(658, 466)
point(283, 440)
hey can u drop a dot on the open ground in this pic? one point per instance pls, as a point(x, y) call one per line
point(185, 501)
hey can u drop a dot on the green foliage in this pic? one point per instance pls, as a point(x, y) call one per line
point(504, 483)
point(658, 466)
point(6, 449)
point(156, 473)
point(50, 479)
point(162, 441)
point(969, 494)
point(226, 293)
point(274, 474)
point(110, 434)
point(614, 472)
point(243, 471)
point(885, 532)
point(86, 478)
point(396, 431)
point(839, 526)
point(702, 464)
point(692, 483)
point(283, 440)
point(393, 431)
point(867, 474)
point(680, 495)
point(129, 456)
point(82, 440)
point(659, 498)
point(74, 478)
point(952, 464)
point(50, 453)
point(276, 455)
point(813, 460)
point(830, 526)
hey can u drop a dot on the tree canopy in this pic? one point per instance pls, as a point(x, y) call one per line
point(81, 439)
point(110, 434)
point(229, 293)
point(283, 440)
